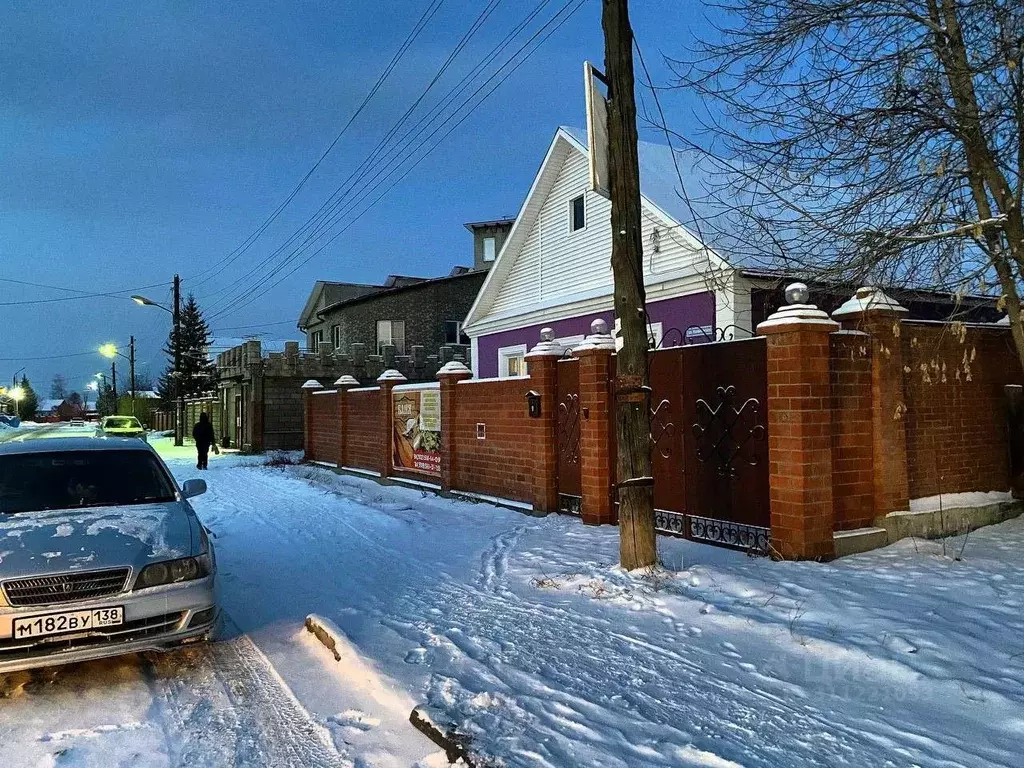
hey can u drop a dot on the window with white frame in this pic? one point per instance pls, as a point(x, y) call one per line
point(336, 336)
point(489, 249)
point(577, 213)
point(654, 334)
point(316, 338)
point(391, 332)
point(512, 361)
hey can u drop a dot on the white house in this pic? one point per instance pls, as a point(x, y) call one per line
point(555, 269)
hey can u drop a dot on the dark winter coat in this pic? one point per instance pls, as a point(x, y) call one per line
point(202, 433)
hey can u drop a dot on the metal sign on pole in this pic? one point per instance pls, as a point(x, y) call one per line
point(595, 84)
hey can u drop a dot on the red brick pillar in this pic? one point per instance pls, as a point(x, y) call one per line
point(387, 381)
point(800, 428)
point(450, 374)
point(307, 405)
point(878, 315)
point(542, 365)
point(596, 422)
point(343, 385)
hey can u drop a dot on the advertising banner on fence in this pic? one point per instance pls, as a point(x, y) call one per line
point(417, 431)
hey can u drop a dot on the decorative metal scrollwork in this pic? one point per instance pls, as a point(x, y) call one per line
point(706, 334)
point(662, 430)
point(672, 523)
point(723, 431)
point(570, 505)
point(749, 537)
point(569, 429)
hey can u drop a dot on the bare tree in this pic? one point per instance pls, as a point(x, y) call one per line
point(867, 141)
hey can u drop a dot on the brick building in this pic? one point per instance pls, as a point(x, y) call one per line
point(403, 312)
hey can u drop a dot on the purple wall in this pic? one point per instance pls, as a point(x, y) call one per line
point(680, 313)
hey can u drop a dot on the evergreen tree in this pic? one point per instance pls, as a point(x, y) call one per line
point(106, 404)
point(29, 403)
point(197, 369)
point(59, 387)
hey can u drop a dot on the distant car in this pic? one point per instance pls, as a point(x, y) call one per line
point(121, 426)
point(77, 423)
point(103, 554)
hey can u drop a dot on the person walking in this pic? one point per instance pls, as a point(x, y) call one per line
point(202, 433)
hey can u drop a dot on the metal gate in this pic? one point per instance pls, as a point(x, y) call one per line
point(709, 439)
point(570, 487)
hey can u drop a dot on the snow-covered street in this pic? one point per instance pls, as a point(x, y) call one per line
point(523, 632)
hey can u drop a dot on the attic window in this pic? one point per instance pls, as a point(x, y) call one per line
point(577, 214)
point(488, 249)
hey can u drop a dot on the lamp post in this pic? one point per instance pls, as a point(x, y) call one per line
point(109, 350)
point(16, 394)
point(179, 395)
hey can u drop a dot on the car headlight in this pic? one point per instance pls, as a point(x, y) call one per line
point(174, 571)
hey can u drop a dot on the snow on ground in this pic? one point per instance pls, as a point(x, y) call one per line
point(524, 632)
point(956, 501)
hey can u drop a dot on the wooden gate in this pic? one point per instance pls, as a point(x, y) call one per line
point(570, 487)
point(709, 438)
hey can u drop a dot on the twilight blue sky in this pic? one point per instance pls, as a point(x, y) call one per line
point(142, 139)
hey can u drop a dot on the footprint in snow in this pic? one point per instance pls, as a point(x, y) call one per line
point(416, 656)
point(729, 650)
point(354, 718)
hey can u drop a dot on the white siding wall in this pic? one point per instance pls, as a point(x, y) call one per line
point(555, 262)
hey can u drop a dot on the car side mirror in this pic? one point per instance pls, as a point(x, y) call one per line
point(193, 488)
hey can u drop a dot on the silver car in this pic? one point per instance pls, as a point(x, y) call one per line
point(100, 553)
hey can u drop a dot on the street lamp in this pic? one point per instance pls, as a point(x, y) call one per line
point(142, 301)
point(16, 394)
point(179, 395)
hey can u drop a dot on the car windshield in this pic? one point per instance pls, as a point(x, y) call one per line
point(75, 479)
point(122, 423)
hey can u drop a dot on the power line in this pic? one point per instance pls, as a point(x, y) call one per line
point(117, 294)
point(548, 29)
point(254, 325)
point(428, 13)
point(331, 204)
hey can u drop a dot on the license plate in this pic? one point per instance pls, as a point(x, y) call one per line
point(72, 621)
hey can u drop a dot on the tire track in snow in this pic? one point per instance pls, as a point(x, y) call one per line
point(533, 674)
point(224, 705)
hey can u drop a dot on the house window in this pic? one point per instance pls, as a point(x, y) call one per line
point(577, 214)
point(316, 338)
point(336, 336)
point(512, 361)
point(654, 335)
point(453, 333)
point(489, 249)
point(391, 332)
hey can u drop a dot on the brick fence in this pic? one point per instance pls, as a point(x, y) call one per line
point(865, 411)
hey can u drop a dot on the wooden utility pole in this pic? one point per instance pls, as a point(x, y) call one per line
point(637, 547)
point(179, 391)
point(131, 369)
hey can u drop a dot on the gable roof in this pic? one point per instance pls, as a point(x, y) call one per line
point(326, 292)
point(392, 287)
point(659, 185)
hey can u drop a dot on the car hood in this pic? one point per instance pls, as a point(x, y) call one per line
point(35, 543)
